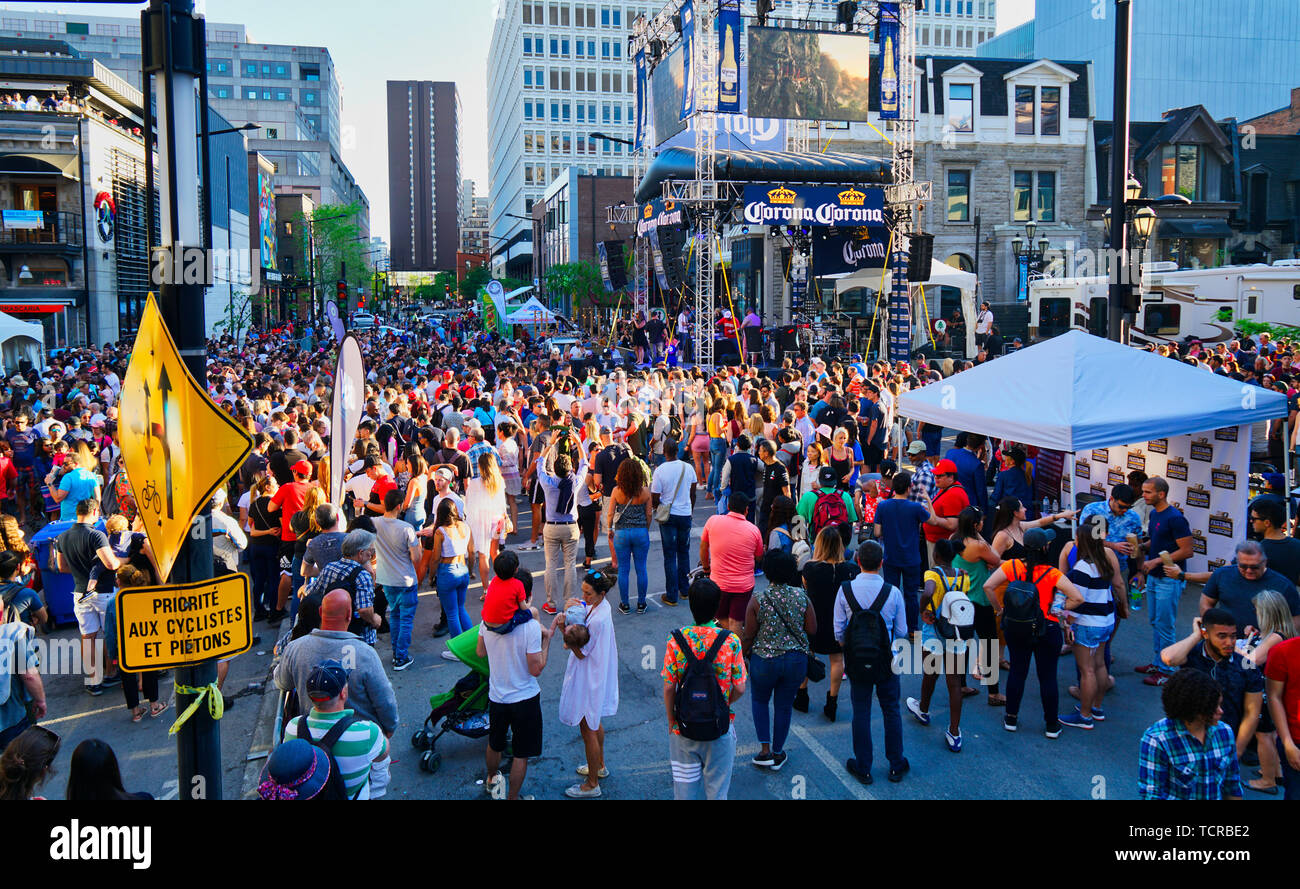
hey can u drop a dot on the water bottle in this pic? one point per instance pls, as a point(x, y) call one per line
point(1056, 506)
point(1058, 603)
point(1134, 597)
point(1046, 510)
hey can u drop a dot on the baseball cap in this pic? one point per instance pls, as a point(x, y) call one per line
point(916, 447)
point(328, 679)
point(1038, 538)
point(296, 769)
point(606, 430)
point(945, 467)
point(826, 475)
point(575, 616)
point(302, 467)
point(444, 473)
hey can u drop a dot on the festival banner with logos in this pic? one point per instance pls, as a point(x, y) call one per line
point(814, 205)
point(349, 404)
point(729, 57)
point(603, 255)
point(1208, 483)
point(688, 60)
point(657, 213)
point(642, 75)
point(850, 250)
point(887, 35)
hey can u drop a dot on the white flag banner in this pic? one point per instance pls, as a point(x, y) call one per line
point(349, 402)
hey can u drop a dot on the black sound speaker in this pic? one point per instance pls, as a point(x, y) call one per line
point(726, 352)
point(617, 264)
point(919, 260)
point(673, 241)
point(787, 338)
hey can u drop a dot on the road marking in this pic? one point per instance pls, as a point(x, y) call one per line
point(836, 768)
point(478, 585)
point(80, 715)
point(174, 784)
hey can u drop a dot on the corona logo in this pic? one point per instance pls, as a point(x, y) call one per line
point(781, 195)
point(669, 205)
point(852, 198)
point(649, 211)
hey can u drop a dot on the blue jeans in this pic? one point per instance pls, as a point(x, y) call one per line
point(264, 566)
point(908, 581)
point(675, 535)
point(1163, 594)
point(632, 545)
point(717, 457)
point(401, 618)
point(1290, 777)
point(887, 691)
point(780, 677)
point(452, 582)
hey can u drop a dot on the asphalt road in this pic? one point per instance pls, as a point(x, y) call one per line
point(994, 764)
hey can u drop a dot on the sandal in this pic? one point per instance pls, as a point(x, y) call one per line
point(137, 714)
point(997, 700)
point(1270, 790)
point(157, 708)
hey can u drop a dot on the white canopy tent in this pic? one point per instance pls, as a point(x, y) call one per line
point(532, 312)
point(941, 275)
point(21, 340)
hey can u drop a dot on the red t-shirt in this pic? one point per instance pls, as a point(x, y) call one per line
point(289, 498)
point(728, 326)
point(947, 504)
point(382, 486)
point(504, 598)
point(1283, 665)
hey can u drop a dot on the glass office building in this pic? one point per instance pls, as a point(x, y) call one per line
point(1238, 59)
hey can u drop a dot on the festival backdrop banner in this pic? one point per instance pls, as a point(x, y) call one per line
point(689, 74)
point(729, 57)
point(349, 402)
point(638, 140)
point(336, 320)
point(849, 250)
point(1208, 484)
point(887, 35)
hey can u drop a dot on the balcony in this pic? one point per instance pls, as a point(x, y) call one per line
point(53, 231)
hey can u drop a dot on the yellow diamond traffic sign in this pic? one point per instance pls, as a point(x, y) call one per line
point(177, 445)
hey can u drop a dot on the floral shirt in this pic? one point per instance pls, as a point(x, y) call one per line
point(728, 666)
point(776, 636)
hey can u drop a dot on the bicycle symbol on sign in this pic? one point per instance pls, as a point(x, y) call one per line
point(151, 498)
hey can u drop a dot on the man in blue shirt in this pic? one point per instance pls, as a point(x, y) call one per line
point(970, 470)
point(1122, 520)
point(898, 528)
point(1169, 533)
point(866, 587)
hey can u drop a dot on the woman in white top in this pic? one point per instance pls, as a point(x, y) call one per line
point(590, 690)
point(451, 547)
point(812, 465)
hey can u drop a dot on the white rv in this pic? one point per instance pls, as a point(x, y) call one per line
point(1176, 304)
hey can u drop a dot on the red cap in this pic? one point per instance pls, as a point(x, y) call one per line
point(945, 467)
point(302, 467)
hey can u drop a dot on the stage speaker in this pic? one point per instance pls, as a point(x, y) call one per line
point(672, 247)
point(726, 352)
point(616, 264)
point(922, 255)
point(787, 338)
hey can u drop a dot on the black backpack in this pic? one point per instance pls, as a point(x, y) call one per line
point(336, 789)
point(1022, 612)
point(868, 650)
point(675, 428)
point(700, 707)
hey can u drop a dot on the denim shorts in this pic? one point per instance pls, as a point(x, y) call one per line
point(1092, 637)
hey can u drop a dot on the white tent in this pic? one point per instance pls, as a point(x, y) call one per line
point(941, 275)
point(21, 340)
point(532, 312)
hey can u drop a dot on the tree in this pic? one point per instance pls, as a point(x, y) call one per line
point(443, 283)
point(337, 241)
point(237, 316)
point(581, 280)
point(475, 280)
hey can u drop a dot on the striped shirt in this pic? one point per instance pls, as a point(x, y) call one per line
point(1173, 764)
point(358, 747)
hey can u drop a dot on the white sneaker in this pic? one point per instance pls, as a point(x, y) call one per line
point(448, 656)
point(914, 707)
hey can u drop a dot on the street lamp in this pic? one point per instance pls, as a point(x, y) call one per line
point(1024, 248)
point(1138, 225)
point(245, 128)
point(628, 142)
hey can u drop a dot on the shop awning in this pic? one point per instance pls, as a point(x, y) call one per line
point(32, 163)
point(1193, 228)
point(766, 166)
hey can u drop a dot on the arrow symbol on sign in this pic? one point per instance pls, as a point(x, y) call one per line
point(164, 388)
point(148, 425)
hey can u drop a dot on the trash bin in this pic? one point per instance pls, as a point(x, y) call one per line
point(58, 585)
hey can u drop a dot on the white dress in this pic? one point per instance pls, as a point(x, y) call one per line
point(484, 513)
point(591, 683)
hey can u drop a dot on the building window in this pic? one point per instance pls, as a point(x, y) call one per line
point(564, 47)
point(604, 16)
point(564, 112)
point(961, 107)
point(250, 94)
point(959, 195)
point(309, 72)
point(221, 92)
point(1049, 110)
point(528, 14)
point(1046, 196)
point(555, 46)
point(250, 69)
point(309, 97)
point(1180, 171)
point(225, 36)
point(1029, 202)
point(528, 77)
point(14, 24)
point(1024, 111)
point(109, 30)
point(528, 111)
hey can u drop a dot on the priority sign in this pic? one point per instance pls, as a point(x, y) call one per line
point(162, 627)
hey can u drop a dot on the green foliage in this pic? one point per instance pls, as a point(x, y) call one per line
point(237, 316)
point(1277, 331)
point(475, 280)
point(443, 283)
point(336, 236)
point(580, 280)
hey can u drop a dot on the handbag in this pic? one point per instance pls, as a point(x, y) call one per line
point(816, 670)
point(664, 511)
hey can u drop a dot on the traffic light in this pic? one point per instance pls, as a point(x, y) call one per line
point(341, 292)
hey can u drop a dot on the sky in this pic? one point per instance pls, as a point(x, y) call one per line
point(401, 40)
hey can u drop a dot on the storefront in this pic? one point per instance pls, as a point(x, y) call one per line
point(54, 316)
point(1192, 243)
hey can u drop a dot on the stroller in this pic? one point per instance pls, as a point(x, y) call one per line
point(462, 710)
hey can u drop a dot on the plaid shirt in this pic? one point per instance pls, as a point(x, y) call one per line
point(477, 451)
point(923, 483)
point(331, 576)
point(1172, 764)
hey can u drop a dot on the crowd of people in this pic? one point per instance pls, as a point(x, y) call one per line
point(837, 531)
